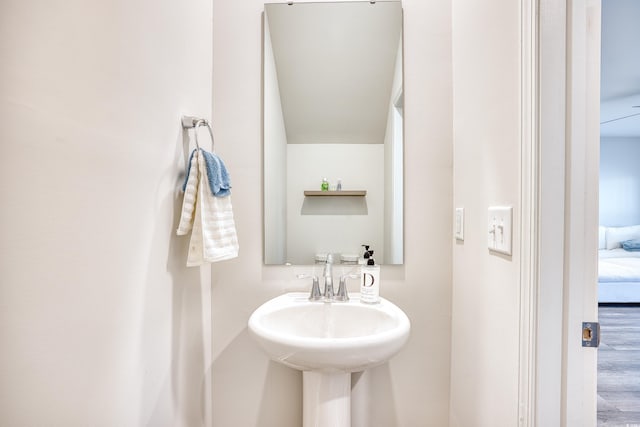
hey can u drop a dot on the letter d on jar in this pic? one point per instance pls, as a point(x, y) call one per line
point(367, 280)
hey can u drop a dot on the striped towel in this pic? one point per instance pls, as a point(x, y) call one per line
point(209, 218)
point(217, 174)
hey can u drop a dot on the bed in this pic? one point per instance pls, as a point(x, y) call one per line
point(618, 269)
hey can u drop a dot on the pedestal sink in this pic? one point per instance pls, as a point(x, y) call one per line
point(328, 341)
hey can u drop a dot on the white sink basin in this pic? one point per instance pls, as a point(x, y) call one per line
point(328, 341)
point(337, 336)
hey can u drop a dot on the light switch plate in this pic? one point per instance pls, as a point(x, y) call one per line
point(459, 224)
point(500, 229)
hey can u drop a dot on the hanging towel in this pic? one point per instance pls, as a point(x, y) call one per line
point(209, 218)
point(190, 189)
point(217, 174)
point(218, 177)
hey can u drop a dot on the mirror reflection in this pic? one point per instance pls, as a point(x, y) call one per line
point(332, 109)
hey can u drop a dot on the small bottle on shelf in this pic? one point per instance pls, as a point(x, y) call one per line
point(325, 185)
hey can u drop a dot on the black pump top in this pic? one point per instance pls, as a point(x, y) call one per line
point(371, 261)
point(367, 253)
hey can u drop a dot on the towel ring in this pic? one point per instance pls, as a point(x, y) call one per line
point(189, 122)
point(203, 122)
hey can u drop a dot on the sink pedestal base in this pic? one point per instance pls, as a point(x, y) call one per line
point(326, 399)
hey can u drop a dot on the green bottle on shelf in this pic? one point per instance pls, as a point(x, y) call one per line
point(325, 185)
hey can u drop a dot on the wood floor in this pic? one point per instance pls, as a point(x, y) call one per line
point(619, 366)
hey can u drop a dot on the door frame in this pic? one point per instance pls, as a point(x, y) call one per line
point(560, 65)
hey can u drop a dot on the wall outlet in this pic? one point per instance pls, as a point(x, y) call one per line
point(500, 229)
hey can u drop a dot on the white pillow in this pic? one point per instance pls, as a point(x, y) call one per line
point(602, 237)
point(616, 235)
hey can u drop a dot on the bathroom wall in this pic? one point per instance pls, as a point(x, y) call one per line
point(413, 389)
point(619, 181)
point(393, 161)
point(275, 156)
point(100, 322)
point(486, 298)
point(337, 225)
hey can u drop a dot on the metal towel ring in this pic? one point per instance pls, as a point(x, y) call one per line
point(190, 122)
point(202, 122)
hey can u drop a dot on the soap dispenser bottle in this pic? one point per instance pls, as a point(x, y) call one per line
point(370, 282)
point(365, 255)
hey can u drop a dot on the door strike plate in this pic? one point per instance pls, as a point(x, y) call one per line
point(590, 334)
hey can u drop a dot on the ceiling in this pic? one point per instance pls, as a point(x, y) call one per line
point(351, 90)
point(335, 64)
point(620, 69)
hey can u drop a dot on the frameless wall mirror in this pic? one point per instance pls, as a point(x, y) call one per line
point(332, 108)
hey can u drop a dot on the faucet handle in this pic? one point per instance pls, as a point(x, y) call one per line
point(342, 294)
point(315, 294)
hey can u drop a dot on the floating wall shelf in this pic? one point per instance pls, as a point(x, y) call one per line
point(313, 193)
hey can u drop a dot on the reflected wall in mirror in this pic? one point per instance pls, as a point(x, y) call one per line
point(332, 108)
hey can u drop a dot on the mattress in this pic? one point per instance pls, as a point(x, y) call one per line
point(619, 270)
point(618, 276)
point(617, 253)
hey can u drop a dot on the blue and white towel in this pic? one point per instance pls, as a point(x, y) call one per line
point(217, 175)
point(207, 211)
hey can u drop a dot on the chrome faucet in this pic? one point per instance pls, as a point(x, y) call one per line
point(342, 294)
point(315, 294)
point(328, 294)
point(328, 278)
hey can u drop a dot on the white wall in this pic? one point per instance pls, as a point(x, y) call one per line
point(334, 224)
point(486, 125)
point(619, 181)
point(275, 159)
point(100, 322)
point(394, 175)
point(413, 389)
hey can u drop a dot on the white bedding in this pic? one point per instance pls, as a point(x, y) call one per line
point(618, 276)
point(618, 253)
point(619, 270)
